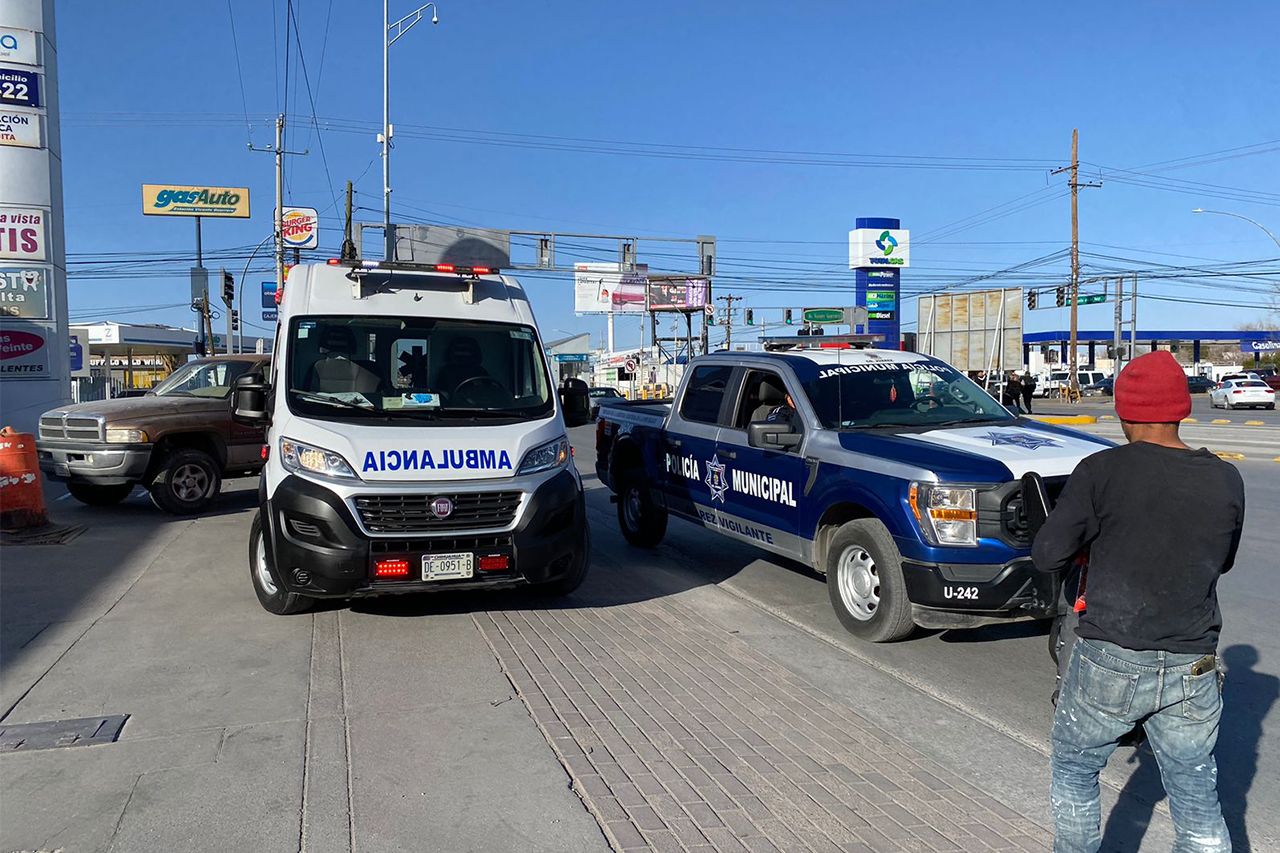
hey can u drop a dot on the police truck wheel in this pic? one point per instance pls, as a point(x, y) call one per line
point(271, 595)
point(188, 482)
point(95, 494)
point(864, 582)
point(642, 520)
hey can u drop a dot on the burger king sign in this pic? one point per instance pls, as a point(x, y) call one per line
point(301, 227)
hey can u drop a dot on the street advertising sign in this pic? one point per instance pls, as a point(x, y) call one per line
point(18, 46)
point(22, 233)
point(79, 350)
point(879, 247)
point(19, 128)
point(270, 315)
point(301, 227)
point(1263, 346)
point(572, 357)
point(823, 315)
point(269, 295)
point(689, 294)
point(974, 330)
point(182, 200)
point(24, 352)
point(24, 292)
point(19, 88)
point(603, 288)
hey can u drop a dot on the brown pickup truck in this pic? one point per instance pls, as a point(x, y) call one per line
point(178, 440)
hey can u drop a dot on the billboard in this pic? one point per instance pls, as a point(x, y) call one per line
point(18, 46)
point(678, 294)
point(20, 128)
point(22, 233)
point(972, 331)
point(183, 200)
point(300, 227)
point(24, 351)
point(602, 288)
point(879, 247)
point(19, 88)
point(24, 291)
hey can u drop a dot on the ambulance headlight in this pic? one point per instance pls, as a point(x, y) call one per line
point(947, 515)
point(545, 457)
point(296, 456)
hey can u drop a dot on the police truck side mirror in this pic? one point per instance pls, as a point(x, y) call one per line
point(766, 435)
point(249, 400)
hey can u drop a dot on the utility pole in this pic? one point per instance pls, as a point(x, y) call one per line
point(278, 224)
point(348, 252)
point(1116, 339)
point(728, 301)
point(1074, 183)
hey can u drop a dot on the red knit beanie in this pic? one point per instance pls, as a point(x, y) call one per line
point(1152, 389)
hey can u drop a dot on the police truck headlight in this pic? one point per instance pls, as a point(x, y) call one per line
point(545, 457)
point(126, 436)
point(296, 456)
point(947, 515)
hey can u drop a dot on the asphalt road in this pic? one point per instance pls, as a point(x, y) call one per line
point(1001, 677)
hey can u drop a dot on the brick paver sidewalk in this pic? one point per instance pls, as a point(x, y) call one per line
point(678, 736)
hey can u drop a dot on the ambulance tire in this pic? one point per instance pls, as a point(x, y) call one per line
point(865, 584)
point(262, 571)
point(186, 483)
point(576, 575)
point(95, 494)
point(642, 519)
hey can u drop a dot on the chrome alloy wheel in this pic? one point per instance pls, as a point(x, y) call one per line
point(858, 582)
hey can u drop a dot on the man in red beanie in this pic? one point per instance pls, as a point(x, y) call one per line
point(1161, 523)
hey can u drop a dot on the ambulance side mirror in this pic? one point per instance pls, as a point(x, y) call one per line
point(250, 400)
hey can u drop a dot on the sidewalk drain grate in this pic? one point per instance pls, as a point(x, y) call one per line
point(51, 534)
point(56, 734)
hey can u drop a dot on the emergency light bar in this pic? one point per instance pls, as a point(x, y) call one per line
point(359, 267)
point(775, 344)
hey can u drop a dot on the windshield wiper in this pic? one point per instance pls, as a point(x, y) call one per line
point(332, 401)
point(478, 413)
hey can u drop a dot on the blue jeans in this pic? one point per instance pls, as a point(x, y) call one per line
point(1109, 689)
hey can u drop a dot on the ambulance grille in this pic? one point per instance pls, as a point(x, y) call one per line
point(413, 513)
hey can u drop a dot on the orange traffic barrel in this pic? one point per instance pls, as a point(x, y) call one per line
point(21, 494)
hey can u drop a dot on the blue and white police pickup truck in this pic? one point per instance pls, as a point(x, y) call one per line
point(890, 472)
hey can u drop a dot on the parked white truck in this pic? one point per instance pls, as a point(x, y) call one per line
point(415, 440)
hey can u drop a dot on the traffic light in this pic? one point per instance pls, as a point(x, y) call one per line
point(786, 317)
point(1032, 298)
point(235, 320)
point(751, 318)
point(228, 287)
point(1062, 296)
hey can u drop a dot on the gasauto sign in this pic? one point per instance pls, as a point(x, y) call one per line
point(181, 200)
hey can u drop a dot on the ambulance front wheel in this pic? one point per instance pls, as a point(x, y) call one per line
point(865, 584)
point(642, 519)
point(577, 573)
point(271, 594)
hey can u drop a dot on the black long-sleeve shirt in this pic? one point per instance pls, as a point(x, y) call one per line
point(1161, 524)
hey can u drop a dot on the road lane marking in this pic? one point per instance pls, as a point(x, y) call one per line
point(1229, 454)
point(1255, 423)
point(1219, 421)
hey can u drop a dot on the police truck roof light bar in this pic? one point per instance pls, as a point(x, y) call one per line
point(774, 344)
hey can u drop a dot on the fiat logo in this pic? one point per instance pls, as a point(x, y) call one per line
point(442, 507)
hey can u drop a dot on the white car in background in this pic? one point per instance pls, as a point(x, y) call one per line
point(1241, 393)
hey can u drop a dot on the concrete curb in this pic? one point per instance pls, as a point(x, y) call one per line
point(1065, 420)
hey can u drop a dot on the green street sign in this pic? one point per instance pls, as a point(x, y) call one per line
point(1092, 299)
point(823, 315)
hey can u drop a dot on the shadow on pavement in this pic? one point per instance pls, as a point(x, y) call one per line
point(1247, 699)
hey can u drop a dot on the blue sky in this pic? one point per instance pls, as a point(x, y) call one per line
point(150, 93)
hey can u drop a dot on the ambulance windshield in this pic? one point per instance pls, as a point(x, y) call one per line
point(416, 369)
point(888, 394)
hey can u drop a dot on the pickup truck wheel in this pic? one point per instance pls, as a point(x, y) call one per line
point(272, 597)
point(642, 520)
point(94, 494)
point(864, 582)
point(188, 482)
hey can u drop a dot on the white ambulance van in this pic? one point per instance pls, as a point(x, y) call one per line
point(415, 440)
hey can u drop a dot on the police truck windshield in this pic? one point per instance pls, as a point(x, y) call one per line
point(416, 369)
point(887, 394)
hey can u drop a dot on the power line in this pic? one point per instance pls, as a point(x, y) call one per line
point(244, 102)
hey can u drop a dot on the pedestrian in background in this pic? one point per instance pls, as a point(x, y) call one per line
point(1161, 523)
point(1028, 388)
point(1012, 391)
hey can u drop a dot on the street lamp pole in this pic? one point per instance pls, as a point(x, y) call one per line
point(391, 33)
point(240, 295)
point(1264, 228)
